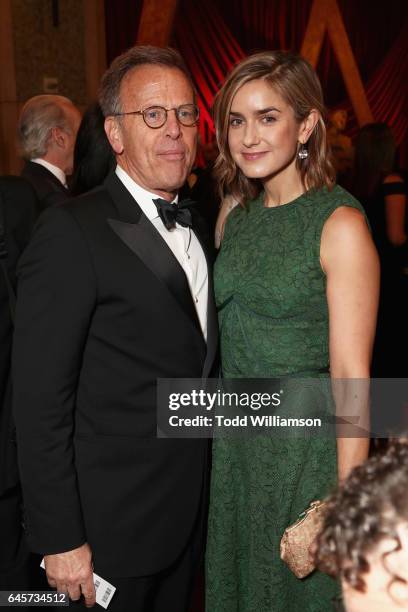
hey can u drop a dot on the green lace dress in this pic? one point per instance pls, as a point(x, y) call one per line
point(273, 314)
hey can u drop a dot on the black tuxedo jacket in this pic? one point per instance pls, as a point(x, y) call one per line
point(19, 206)
point(104, 309)
point(49, 190)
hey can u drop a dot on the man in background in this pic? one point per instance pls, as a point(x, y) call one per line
point(47, 131)
point(18, 210)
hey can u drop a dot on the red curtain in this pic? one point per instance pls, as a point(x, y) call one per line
point(213, 36)
point(387, 89)
point(262, 24)
point(121, 24)
point(210, 52)
point(372, 28)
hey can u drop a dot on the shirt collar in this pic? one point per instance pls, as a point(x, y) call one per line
point(57, 172)
point(143, 197)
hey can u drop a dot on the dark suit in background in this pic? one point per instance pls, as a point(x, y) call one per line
point(48, 188)
point(19, 208)
point(46, 132)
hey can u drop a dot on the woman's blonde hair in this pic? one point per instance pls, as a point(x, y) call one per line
point(298, 84)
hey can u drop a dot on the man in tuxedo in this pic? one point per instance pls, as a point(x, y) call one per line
point(115, 292)
point(18, 210)
point(47, 131)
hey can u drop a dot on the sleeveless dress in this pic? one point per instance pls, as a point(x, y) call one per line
point(273, 315)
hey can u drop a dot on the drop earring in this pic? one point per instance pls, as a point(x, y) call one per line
point(302, 153)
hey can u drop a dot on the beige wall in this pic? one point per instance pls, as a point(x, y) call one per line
point(33, 49)
point(43, 50)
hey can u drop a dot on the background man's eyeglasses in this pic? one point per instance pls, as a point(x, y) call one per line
point(156, 116)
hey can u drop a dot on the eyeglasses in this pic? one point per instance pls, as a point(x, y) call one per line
point(156, 116)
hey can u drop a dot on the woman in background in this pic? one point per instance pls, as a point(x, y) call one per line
point(382, 191)
point(93, 155)
point(380, 187)
point(296, 286)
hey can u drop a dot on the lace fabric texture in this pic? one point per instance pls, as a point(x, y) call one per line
point(271, 297)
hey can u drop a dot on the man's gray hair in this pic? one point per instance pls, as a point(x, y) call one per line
point(109, 93)
point(39, 115)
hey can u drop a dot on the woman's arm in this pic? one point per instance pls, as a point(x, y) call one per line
point(227, 204)
point(395, 207)
point(350, 262)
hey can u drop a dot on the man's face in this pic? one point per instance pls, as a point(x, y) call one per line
point(157, 159)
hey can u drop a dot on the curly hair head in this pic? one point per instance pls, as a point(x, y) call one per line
point(365, 509)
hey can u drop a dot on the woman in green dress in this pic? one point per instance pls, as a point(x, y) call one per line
point(296, 285)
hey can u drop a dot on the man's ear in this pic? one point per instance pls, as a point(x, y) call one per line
point(114, 134)
point(58, 137)
point(308, 125)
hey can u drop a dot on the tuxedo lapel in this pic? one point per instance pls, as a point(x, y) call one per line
point(138, 233)
point(212, 319)
point(212, 328)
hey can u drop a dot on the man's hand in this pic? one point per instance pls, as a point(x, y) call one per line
point(72, 572)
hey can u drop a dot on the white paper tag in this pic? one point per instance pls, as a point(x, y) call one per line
point(103, 589)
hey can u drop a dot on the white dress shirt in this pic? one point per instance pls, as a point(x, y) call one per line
point(57, 172)
point(183, 243)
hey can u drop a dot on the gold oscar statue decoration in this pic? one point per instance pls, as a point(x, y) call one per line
point(325, 16)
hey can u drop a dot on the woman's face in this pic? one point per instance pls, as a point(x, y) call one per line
point(263, 133)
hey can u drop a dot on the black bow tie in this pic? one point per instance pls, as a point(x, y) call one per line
point(172, 213)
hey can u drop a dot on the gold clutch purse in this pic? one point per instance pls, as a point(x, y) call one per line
point(298, 538)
